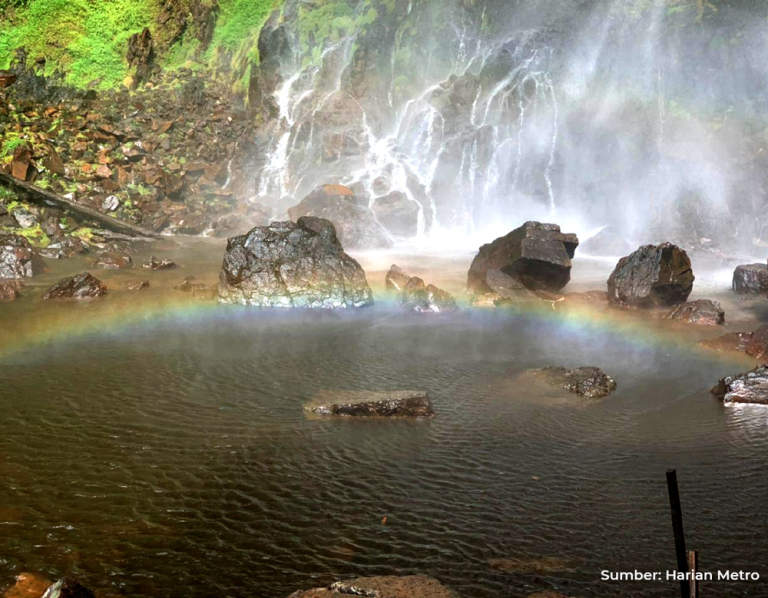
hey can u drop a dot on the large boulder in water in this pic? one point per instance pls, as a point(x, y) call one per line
point(18, 259)
point(292, 264)
point(537, 255)
point(355, 224)
point(751, 279)
point(82, 286)
point(749, 387)
point(412, 586)
point(652, 276)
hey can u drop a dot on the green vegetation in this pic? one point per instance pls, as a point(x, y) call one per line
point(329, 22)
point(85, 40)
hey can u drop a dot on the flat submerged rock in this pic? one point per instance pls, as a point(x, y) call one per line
point(588, 381)
point(398, 403)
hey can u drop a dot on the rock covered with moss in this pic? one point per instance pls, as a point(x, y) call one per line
point(289, 264)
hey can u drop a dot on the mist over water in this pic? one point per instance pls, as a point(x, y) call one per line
point(640, 115)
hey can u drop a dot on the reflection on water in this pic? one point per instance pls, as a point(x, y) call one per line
point(173, 456)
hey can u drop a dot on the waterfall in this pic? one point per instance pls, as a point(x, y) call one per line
point(480, 125)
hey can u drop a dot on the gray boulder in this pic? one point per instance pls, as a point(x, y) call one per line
point(749, 387)
point(702, 312)
point(751, 279)
point(292, 264)
point(18, 259)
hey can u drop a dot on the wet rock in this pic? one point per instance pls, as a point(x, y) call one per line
point(81, 286)
point(355, 224)
point(398, 214)
point(18, 259)
point(413, 586)
point(154, 264)
point(606, 243)
point(652, 276)
point(733, 341)
point(536, 255)
point(702, 312)
point(421, 297)
point(113, 260)
point(378, 404)
point(9, 289)
point(289, 264)
point(588, 381)
point(199, 290)
point(68, 588)
point(64, 248)
point(751, 279)
point(28, 585)
point(507, 287)
point(136, 286)
point(749, 387)
point(487, 300)
point(396, 279)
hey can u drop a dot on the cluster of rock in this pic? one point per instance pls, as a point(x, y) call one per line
point(416, 295)
point(292, 264)
point(751, 279)
point(588, 381)
point(401, 403)
point(749, 387)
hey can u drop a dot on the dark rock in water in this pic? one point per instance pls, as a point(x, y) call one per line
point(9, 289)
point(421, 297)
point(396, 279)
point(68, 588)
point(113, 260)
point(82, 286)
point(754, 344)
point(153, 264)
point(702, 312)
point(399, 403)
point(537, 255)
point(750, 387)
point(355, 224)
point(606, 243)
point(136, 286)
point(199, 290)
point(652, 276)
point(412, 586)
point(398, 214)
point(18, 259)
point(507, 287)
point(289, 264)
point(751, 279)
point(589, 381)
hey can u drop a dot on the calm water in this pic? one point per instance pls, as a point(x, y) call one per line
point(174, 458)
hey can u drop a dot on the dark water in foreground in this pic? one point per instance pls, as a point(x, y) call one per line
point(176, 459)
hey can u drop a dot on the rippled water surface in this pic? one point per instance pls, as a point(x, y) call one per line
point(174, 457)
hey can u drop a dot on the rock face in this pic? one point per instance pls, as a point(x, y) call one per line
point(413, 586)
point(18, 259)
point(537, 255)
point(702, 312)
point(750, 387)
point(9, 289)
point(421, 297)
point(405, 403)
point(751, 279)
point(82, 286)
point(289, 264)
point(589, 381)
point(652, 276)
point(396, 279)
point(356, 225)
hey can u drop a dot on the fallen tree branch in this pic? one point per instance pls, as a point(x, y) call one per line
point(41, 196)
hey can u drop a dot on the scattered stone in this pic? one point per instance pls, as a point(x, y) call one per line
point(9, 289)
point(702, 312)
point(153, 264)
point(289, 264)
point(68, 588)
point(420, 297)
point(113, 260)
point(401, 403)
point(18, 259)
point(81, 286)
point(136, 286)
point(396, 279)
point(111, 203)
point(751, 279)
point(537, 255)
point(356, 225)
point(413, 586)
point(749, 387)
point(588, 381)
point(652, 276)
